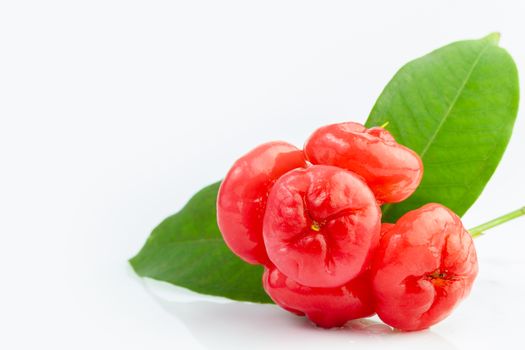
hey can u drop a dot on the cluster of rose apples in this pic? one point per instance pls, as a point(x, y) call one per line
point(312, 217)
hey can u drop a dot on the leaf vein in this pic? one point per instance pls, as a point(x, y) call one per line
point(454, 101)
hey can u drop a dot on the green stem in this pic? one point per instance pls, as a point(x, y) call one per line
point(478, 230)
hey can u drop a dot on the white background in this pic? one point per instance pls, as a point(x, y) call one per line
point(113, 113)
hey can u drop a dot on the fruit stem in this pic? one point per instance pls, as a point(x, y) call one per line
point(479, 230)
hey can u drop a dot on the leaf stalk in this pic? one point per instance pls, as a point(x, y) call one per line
point(480, 229)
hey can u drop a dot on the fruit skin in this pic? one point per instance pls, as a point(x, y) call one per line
point(385, 227)
point(321, 225)
point(326, 307)
point(425, 265)
point(242, 196)
point(391, 170)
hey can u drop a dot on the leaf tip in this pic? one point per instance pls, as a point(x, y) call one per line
point(493, 38)
point(133, 263)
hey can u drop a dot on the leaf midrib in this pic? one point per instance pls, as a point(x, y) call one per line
point(454, 101)
point(387, 207)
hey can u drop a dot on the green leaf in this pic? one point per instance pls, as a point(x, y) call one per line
point(187, 249)
point(456, 107)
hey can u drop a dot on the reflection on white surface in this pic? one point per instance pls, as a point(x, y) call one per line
point(483, 321)
point(220, 323)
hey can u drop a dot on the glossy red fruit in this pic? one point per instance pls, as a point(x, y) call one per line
point(321, 225)
point(385, 227)
point(242, 196)
point(326, 307)
point(424, 267)
point(392, 171)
